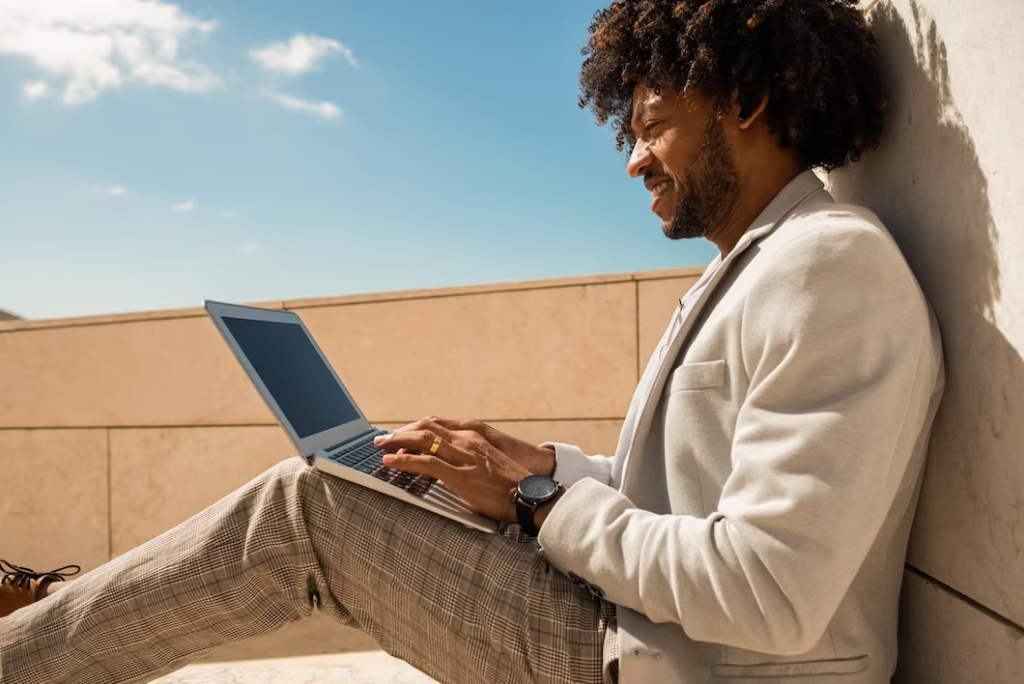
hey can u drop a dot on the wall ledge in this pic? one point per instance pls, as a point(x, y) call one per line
point(347, 300)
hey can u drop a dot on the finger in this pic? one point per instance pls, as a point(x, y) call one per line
point(407, 427)
point(410, 439)
point(495, 437)
point(457, 424)
point(420, 441)
point(418, 463)
point(430, 425)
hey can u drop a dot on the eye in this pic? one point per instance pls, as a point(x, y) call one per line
point(649, 128)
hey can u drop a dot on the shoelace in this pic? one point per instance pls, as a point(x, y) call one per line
point(21, 577)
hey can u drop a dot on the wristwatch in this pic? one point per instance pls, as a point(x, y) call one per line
point(531, 493)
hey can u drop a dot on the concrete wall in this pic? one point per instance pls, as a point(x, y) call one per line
point(115, 429)
point(947, 182)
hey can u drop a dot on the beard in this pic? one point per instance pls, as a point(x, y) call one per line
point(710, 190)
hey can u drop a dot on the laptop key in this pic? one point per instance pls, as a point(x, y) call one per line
point(404, 480)
point(421, 486)
point(386, 474)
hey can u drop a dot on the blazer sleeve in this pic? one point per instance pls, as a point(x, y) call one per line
point(839, 353)
point(572, 465)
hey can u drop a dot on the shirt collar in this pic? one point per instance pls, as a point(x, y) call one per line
point(791, 196)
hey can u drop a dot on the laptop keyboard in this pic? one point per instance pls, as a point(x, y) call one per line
point(365, 457)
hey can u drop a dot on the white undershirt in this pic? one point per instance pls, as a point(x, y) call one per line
point(647, 380)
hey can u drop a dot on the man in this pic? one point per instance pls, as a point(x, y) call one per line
point(753, 523)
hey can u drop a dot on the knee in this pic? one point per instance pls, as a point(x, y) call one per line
point(296, 465)
point(282, 495)
point(296, 480)
point(291, 474)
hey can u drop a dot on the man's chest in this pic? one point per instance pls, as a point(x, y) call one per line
point(682, 454)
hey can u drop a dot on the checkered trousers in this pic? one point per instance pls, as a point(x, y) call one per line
point(461, 605)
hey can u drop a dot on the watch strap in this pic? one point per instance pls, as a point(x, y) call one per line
point(524, 515)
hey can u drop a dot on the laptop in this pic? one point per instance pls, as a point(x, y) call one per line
point(322, 419)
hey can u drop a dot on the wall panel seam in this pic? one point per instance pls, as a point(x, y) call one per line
point(189, 426)
point(973, 603)
point(636, 291)
point(520, 420)
point(110, 501)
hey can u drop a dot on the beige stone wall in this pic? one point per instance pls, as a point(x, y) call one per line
point(114, 429)
point(947, 182)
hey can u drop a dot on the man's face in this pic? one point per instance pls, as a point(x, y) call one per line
point(685, 160)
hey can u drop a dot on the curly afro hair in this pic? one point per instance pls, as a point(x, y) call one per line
point(815, 59)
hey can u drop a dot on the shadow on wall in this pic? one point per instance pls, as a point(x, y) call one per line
point(926, 183)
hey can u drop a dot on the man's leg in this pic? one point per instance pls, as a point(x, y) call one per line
point(45, 591)
point(461, 605)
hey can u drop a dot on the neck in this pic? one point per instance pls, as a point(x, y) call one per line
point(752, 198)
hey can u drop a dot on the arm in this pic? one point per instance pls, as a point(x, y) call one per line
point(839, 380)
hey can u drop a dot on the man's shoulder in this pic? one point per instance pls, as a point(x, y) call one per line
point(829, 268)
point(845, 236)
point(830, 252)
point(818, 223)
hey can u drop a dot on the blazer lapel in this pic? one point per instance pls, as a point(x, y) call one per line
point(795, 193)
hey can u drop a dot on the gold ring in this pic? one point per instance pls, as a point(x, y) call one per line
point(435, 446)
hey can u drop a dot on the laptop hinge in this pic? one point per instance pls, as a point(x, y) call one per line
point(351, 439)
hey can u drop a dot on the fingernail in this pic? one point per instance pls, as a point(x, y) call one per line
point(379, 440)
point(388, 458)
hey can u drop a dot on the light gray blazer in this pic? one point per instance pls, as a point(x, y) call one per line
point(752, 525)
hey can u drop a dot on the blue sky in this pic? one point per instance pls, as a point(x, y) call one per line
point(158, 154)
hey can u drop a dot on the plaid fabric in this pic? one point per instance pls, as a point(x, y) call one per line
point(460, 605)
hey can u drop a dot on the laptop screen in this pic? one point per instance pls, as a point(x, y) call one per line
point(295, 374)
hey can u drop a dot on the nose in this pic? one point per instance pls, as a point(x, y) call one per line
point(639, 159)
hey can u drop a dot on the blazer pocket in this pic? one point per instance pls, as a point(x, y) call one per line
point(696, 376)
point(797, 669)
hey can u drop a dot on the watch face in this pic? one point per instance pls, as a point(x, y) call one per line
point(538, 487)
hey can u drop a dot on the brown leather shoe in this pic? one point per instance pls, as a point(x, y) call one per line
point(21, 586)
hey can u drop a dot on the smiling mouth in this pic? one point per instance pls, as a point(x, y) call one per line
point(660, 189)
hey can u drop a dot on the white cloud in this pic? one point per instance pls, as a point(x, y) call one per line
point(300, 54)
point(35, 90)
point(188, 205)
point(325, 110)
point(100, 45)
point(110, 190)
point(251, 248)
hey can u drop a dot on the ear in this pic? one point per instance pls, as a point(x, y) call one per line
point(747, 121)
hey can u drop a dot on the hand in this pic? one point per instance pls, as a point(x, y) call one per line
point(469, 465)
point(538, 460)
